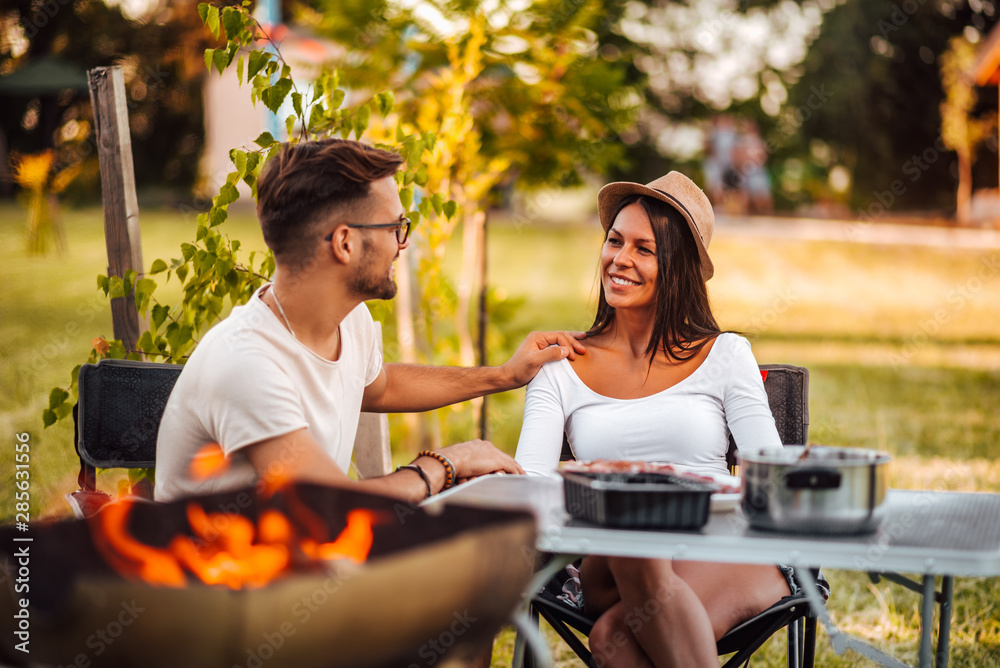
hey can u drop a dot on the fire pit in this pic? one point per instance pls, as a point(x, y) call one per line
point(310, 576)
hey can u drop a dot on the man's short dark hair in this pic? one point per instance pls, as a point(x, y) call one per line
point(306, 182)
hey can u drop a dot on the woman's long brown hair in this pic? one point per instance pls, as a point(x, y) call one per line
point(683, 317)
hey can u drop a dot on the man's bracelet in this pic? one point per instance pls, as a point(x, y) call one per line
point(420, 472)
point(449, 468)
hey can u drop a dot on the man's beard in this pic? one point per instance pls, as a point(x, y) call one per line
point(368, 282)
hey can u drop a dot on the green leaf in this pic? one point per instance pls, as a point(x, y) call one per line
point(437, 201)
point(146, 286)
point(116, 287)
point(317, 118)
point(253, 159)
point(450, 209)
point(217, 217)
point(406, 197)
point(102, 284)
point(239, 70)
point(158, 266)
point(145, 342)
point(116, 350)
point(220, 59)
point(130, 276)
point(48, 417)
point(256, 61)
point(182, 272)
point(141, 300)
point(209, 57)
point(227, 195)
point(63, 410)
point(361, 120)
point(336, 99)
point(273, 96)
point(159, 315)
point(232, 21)
point(188, 251)
point(212, 20)
point(240, 160)
point(203, 8)
point(264, 140)
point(384, 101)
point(421, 177)
point(57, 396)
point(297, 103)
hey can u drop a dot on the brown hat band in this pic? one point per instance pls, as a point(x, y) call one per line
point(678, 205)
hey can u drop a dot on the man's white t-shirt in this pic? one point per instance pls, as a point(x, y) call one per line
point(250, 380)
point(688, 423)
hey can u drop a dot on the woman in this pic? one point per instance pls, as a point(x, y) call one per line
point(659, 381)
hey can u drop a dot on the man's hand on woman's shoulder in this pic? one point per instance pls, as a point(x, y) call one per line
point(540, 348)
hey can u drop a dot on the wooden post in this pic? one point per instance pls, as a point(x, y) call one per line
point(121, 208)
point(484, 318)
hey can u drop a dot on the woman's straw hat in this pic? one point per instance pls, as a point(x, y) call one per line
point(678, 191)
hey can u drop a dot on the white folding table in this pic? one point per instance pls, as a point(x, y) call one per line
point(929, 533)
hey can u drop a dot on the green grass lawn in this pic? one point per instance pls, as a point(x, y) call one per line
point(901, 343)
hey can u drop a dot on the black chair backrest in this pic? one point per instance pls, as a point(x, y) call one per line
point(787, 388)
point(119, 410)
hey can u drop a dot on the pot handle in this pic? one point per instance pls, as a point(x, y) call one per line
point(817, 478)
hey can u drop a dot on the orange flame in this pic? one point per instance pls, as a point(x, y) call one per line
point(226, 549)
point(209, 462)
point(125, 553)
point(354, 542)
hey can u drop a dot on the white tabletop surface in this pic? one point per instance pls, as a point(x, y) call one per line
point(924, 532)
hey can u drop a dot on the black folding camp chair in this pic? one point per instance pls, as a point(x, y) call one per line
point(787, 390)
point(117, 418)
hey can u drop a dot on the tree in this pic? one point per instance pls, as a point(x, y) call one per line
point(163, 72)
point(513, 94)
point(870, 92)
point(213, 271)
point(960, 131)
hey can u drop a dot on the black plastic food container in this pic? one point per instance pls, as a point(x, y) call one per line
point(637, 500)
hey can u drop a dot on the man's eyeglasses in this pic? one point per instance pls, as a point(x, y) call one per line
point(402, 229)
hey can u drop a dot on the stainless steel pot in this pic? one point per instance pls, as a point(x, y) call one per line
point(830, 491)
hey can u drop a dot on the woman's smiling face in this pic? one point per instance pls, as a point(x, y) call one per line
point(628, 260)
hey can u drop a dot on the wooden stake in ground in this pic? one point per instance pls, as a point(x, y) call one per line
point(121, 208)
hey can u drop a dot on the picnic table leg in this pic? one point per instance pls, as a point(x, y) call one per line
point(840, 640)
point(944, 623)
point(927, 621)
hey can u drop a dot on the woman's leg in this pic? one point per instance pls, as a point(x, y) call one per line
point(732, 593)
point(663, 613)
point(674, 610)
point(612, 643)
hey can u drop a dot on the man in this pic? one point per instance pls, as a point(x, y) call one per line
point(281, 382)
